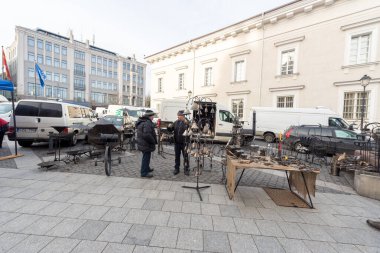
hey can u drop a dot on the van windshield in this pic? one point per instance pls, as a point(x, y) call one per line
point(338, 122)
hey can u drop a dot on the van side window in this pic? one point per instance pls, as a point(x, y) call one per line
point(303, 131)
point(74, 112)
point(27, 109)
point(50, 110)
point(226, 116)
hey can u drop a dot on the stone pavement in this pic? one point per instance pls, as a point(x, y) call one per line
point(72, 212)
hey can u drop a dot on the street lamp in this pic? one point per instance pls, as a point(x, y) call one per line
point(365, 80)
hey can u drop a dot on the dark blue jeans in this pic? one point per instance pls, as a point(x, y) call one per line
point(178, 149)
point(145, 163)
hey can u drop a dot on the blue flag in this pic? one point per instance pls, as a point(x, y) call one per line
point(41, 75)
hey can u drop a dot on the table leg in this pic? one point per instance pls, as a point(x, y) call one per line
point(231, 175)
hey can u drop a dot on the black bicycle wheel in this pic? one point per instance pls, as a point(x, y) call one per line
point(107, 161)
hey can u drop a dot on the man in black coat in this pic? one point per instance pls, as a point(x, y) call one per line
point(180, 125)
point(146, 141)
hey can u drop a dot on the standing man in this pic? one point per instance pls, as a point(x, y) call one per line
point(180, 125)
point(146, 141)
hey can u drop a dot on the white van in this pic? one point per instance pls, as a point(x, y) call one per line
point(36, 118)
point(224, 119)
point(270, 121)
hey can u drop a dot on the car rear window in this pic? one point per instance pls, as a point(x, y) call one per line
point(50, 110)
point(303, 131)
point(27, 109)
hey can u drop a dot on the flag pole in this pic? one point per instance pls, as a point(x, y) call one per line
point(35, 80)
point(2, 63)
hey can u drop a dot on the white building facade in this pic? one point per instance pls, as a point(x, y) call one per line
point(75, 71)
point(304, 54)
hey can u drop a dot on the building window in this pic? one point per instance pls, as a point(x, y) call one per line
point(93, 58)
point(99, 60)
point(30, 56)
point(79, 83)
point(104, 73)
point(64, 50)
point(79, 69)
point(238, 108)
point(159, 85)
point(287, 62)
point(64, 64)
point(128, 66)
point(352, 106)
point(109, 74)
point(115, 75)
point(93, 71)
point(105, 62)
point(48, 46)
point(56, 77)
point(285, 101)
point(208, 76)
point(40, 44)
point(239, 71)
point(48, 75)
point(110, 63)
point(40, 59)
point(48, 60)
point(360, 48)
point(33, 89)
point(181, 81)
point(64, 78)
point(98, 97)
point(31, 72)
point(56, 49)
point(56, 63)
point(30, 41)
point(79, 96)
point(79, 55)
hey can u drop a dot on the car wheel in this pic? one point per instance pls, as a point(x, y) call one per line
point(269, 137)
point(25, 144)
point(74, 139)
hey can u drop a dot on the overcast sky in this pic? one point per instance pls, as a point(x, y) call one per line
point(140, 27)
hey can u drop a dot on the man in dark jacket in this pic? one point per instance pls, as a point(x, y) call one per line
point(146, 141)
point(180, 125)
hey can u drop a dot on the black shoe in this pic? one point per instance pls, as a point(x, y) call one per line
point(151, 170)
point(149, 175)
point(175, 172)
point(187, 172)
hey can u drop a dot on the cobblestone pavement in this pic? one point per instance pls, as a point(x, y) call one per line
point(163, 167)
point(72, 212)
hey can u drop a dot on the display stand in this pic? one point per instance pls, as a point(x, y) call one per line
point(59, 129)
point(202, 128)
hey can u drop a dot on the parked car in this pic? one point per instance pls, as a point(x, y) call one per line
point(125, 128)
point(35, 120)
point(6, 111)
point(330, 140)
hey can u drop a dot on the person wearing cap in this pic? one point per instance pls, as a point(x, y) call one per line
point(146, 141)
point(180, 125)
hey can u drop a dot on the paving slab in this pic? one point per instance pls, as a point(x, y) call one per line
point(9, 240)
point(89, 247)
point(118, 248)
point(114, 232)
point(66, 228)
point(216, 242)
point(139, 234)
point(242, 243)
point(60, 245)
point(179, 220)
point(190, 239)
point(90, 230)
point(33, 243)
point(164, 237)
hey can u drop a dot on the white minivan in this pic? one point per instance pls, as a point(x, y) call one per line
point(35, 119)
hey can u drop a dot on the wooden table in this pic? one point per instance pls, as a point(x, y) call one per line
point(302, 181)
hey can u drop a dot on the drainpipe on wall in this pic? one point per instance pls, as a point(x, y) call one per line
point(191, 44)
point(262, 58)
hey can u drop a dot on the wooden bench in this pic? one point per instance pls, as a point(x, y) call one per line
point(304, 181)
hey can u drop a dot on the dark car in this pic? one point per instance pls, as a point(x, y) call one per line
point(329, 140)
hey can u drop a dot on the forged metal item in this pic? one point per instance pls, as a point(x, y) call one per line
point(105, 135)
